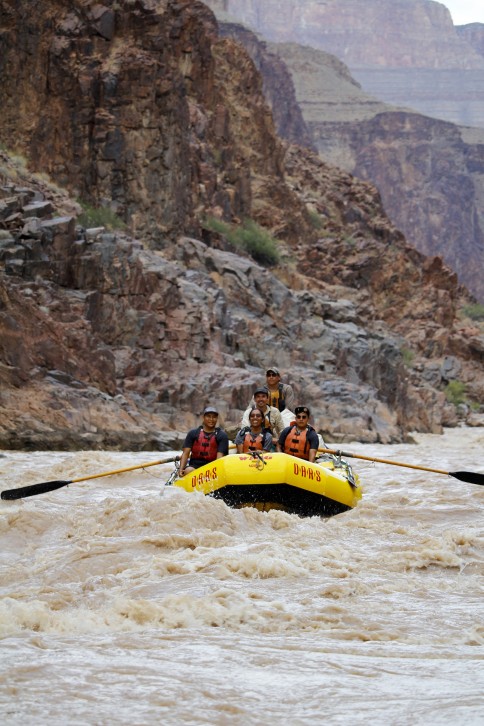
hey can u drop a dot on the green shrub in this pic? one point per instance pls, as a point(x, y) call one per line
point(99, 217)
point(474, 311)
point(408, 356)
point(258, 243)
point(455, 392)
point(250, 237)
point(217, 225)
point(315, 219)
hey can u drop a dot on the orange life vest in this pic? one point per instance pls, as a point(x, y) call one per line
point(253, 442)
point(205, 447)
point(277, 398)
point(297, 444)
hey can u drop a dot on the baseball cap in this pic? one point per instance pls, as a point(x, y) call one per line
point(272, 369)
point(302, 409)
point(262, 389)
point(210, 409)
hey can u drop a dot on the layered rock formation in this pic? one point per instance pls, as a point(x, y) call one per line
point(405, 52)
point(473, 34)
point(430, 173)
point(119, 339)
point(115, 109)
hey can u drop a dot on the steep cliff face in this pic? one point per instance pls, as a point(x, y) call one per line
point(123, 104)
point(404, 52)
point(109, 340)
point(107, 344)
point(430, 173)
point(278, 86)
point(473, 34)
point(421, 31)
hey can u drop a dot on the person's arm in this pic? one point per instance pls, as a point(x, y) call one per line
point(184, 459)
point(282, 440)
point(186, 450)
point(289, 397)
point(239, 442)
point(313, 443)
point(312, 455)
point(245, 418)
point(277, 422)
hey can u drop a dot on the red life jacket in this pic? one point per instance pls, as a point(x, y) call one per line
point(297, 444)
point(251, 442)
point(205, 447)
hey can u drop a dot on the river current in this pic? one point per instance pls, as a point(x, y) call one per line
point(127, 602)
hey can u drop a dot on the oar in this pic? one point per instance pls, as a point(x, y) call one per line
point(473, 477)
point(49, 486)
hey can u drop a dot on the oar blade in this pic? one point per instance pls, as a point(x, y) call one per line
point(472, 477)
point(33, 489)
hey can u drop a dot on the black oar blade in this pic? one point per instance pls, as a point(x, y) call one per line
point(473, 477)
point(33, 489)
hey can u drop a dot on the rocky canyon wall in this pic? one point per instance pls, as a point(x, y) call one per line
point(404, 52)
point(118, 339)
point(124, 108)
point(430, 173)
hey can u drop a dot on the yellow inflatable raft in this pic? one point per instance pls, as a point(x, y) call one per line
point(278, 481)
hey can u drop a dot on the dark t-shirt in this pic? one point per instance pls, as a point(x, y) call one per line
point(220, 437)
point(311, 437)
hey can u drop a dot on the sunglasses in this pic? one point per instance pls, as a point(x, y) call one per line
point(271, 375)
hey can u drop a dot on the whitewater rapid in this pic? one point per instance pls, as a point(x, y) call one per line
point(125, 601)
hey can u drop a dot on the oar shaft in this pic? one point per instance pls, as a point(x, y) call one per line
point(126, 468)
point(383, 461)
point(50, 486)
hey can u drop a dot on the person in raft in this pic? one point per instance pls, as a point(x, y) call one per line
point(281, 395)
point(253, 437)
point(272, 416)
point(204, 444)
point(300, 439)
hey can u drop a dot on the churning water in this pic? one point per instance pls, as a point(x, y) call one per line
point(129, 603)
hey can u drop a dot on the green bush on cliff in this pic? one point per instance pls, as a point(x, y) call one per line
point(455, 392)
point(250, 237)
point(408, 356)
point(99, 217)
point(474, 311)
point(315, 219)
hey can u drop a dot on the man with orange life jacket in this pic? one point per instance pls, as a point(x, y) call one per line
point(204, 444)
point(253, 437)
point(300, 439)
point(272, 416)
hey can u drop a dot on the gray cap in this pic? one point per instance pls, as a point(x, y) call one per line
point(210, 409)
point(261, 389)
point(274, 370)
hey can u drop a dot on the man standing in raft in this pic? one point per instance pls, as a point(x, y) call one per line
point(204, 444)
point(300, 439)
